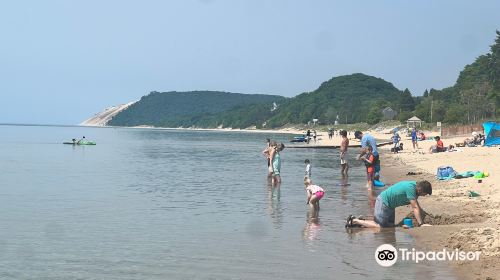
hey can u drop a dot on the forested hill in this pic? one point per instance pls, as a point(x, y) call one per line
point(355, 98)
point(186, 109)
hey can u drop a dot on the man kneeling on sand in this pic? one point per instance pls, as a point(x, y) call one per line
point(399, 194)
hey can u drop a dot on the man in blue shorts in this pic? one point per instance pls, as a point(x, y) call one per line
point(368, 140)
point(414, 139)
point(399, 194)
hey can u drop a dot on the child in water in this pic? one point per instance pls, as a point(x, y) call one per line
point(314, 193)
point(368, 159)
point(308, 168)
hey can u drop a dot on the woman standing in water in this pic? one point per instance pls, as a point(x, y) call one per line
point(274, 155)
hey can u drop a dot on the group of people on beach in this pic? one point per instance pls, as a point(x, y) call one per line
point(310, 133)
point(332, 132)
point(401, 193)
point(476, 140)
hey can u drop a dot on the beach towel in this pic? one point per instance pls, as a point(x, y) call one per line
point(467, 174)
point(445, 173)
point(479, 175)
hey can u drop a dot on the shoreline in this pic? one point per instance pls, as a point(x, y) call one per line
point(275, 131)
point(278, 131)
point(459, 222)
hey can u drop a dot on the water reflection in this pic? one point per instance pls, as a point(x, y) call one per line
point(384, 235)
point(371, 200)
point(312, 227)
point(274, 205)
point(344, 183)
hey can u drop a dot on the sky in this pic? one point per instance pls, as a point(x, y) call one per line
point(63, 61)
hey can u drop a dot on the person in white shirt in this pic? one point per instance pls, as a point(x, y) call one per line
point(308, 168)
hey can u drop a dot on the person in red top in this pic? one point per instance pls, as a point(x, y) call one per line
point(422, 136)
point(369, 159)
point(439, 147)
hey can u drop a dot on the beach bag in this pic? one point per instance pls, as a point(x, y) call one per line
point(445, 172)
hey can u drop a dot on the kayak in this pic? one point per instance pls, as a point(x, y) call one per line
point(80, 143)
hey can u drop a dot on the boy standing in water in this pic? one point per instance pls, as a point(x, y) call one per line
point(369, 159)
point(308, 168)
point(368, 140)
point(343, 152)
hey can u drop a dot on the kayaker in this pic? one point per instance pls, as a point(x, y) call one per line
point(83, 139)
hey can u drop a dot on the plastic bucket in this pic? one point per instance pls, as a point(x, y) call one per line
point(408, 222)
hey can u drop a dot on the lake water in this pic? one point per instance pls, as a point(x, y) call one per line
point(176, 204)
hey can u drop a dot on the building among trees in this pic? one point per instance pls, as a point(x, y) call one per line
point(388, 113)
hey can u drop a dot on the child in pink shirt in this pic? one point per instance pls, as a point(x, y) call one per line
point(314, 193)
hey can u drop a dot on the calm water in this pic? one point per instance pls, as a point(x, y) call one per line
point(170, 204)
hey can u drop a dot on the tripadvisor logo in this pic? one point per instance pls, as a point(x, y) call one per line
point(387, 255)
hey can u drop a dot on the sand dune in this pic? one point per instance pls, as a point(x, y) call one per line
point(102, 118)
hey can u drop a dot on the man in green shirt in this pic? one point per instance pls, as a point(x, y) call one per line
point(399, 194)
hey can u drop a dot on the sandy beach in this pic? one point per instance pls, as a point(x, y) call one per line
point(459, 221)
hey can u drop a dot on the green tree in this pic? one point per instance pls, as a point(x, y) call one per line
point(494, 63)
point(454, 114)
point(403, 116)
point(423, 110)
point(494, 74)
point(330, 115)
point(406, 102)
point(438, 111)
point(374, 116)
point(476, 103)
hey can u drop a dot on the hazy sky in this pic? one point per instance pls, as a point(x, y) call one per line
point(63, 61)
